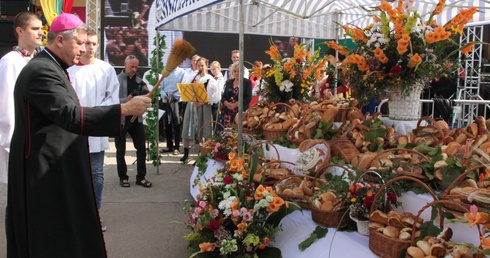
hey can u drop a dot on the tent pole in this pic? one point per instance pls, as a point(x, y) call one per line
point(335, 74)
point(241, 74)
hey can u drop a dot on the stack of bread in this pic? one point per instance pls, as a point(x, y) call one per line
point(297, 188)
point(271, 171)
point(395, 225)
point(439, 247)
point(328, 201)
point(281, 116)
point(305, 127)
point(253, 117)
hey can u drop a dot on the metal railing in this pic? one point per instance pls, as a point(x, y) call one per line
point(463, 110)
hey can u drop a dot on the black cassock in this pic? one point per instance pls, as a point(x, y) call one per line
point(51, 206)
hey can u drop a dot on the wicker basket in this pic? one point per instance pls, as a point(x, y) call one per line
point(267, 179)
point(435, 131)
point(308, 133)
point(385, 246)
point(341, 115)
point(261, 144)
point(440, 204)
point(407, 172)
point(460, 202)
point(334, 219)
point(331, 219)
point(257, 128)
point(302, 201)
point(275, 134)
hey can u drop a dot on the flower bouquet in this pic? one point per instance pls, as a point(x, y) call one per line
point(234, 217)
point(291, 78)
point(361, 196)
point(401, 52)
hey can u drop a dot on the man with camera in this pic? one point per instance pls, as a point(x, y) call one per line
point(130, 85)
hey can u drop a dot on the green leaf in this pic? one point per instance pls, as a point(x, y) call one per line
point(253, 166)
point(429, 229)
point(275, 218)
point(450, 174)
point(319, 232)
point(270, 252)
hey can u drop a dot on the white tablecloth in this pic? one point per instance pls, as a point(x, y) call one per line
point(298, 226)
point(400, 126)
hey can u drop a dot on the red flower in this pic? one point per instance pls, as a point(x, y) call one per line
point(396, 69)
point(214, 225)
point(368, 201)
point(228, 180)
point(391, 197)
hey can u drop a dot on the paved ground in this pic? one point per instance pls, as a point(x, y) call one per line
point(139, 220)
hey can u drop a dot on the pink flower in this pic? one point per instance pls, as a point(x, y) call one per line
point(197, 210)
point(248, 216)
point(473, 209)
point(201, 204)
point(236, 213)
point(215, 213)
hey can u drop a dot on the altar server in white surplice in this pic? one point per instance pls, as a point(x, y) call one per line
point(29, 34)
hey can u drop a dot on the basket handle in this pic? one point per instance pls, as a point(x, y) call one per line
point(460, 178)
point(260, 143)
point(282, 104)
point(324, 168)
point(212, 131)
point(384, 186)
point(397, 149)
point(439, 203)
point(428, 118)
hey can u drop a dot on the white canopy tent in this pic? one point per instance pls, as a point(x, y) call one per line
point(300, 18)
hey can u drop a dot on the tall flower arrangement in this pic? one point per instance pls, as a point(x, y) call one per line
point(234, 217)
point(291, 78)
point(400, 50)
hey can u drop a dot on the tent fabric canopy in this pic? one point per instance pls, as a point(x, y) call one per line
point(299, 18)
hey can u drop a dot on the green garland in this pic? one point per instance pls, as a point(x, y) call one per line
point(152, 116)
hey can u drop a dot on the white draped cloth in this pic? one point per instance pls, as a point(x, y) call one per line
point(10, 66)
point(96, 85)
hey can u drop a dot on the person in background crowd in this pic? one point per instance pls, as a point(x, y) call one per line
point(172, 104)
point(28, 32)
point(96, 84)
point(218, 76)
point(131, 85)
point(235, 57)
point(190, 73)
point(51, 205)
point(229, 99)
point(342, 85)
point(256, 82)
point(198, 114)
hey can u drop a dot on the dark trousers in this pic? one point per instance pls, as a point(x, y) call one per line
point(172, 133)
point(172, 128)
point(137, 132)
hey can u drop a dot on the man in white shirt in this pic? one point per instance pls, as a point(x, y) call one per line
point(96, 84)
point(29, 34)
point(235, 57)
